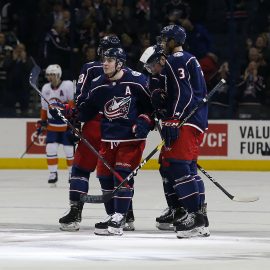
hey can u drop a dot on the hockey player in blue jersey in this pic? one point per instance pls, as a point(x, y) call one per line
point(85, 161)
point(122, 97)
point(183, 82)
point(154, 60)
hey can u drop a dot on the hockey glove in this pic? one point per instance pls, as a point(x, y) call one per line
point(66, 110)
point(41, 126)
point(158, 99)
point(56, 113)
point(142, 126)
point(170, 131)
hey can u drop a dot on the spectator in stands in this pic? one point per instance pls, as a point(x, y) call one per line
point(262, 45)
point(90, 54)
point(199, 40)
point(18, 79)
point(5, 58)
point(5, 49)
point(251, 92)
point(56, 48)
point(219, 105)
point(179, 7)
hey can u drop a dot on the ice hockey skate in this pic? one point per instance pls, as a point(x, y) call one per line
point(129, 224)
point(189, 227)
point(116, 224)
point(101, 228)
point(53, 178)
point(204, 231)
point(70, 222)
point(168, 217)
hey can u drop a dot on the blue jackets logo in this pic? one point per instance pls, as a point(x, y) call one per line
point(118, 107)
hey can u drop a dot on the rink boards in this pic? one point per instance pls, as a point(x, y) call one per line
point(227, 145)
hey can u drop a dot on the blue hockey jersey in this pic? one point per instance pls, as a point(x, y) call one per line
point(183, 80)
point(120, 102)
point(88, 72)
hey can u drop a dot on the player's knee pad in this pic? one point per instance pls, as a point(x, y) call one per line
point(106, 183)
point(79, 172)
point(124, 172)
point(79, 184)
point(51, 149)
point(193, 167)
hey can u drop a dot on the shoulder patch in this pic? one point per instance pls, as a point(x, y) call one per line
point(178, 54)
point(95, 79)
point(136, 73)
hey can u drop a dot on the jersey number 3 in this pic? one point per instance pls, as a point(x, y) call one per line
point(181, 73)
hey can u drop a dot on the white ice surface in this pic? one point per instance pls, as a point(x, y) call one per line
point(30, 237)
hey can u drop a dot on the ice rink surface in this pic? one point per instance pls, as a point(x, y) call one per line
point(30, 237)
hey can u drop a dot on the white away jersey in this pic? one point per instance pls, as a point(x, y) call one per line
point(64, 93)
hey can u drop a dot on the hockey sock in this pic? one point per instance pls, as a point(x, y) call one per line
point(201, 188)
point(185, 186)
point(106, 183)
point(52, 157)
point(123, 197)
point(69, 154)
point(169, 192)
point(79, 183)
point(194, 172)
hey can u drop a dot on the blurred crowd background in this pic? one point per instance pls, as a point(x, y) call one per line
point(230, 38)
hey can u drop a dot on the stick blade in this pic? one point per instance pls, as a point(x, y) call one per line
point(34, 75)
point(245, 199)
point(91, 198)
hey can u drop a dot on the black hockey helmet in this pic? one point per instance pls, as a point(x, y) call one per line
point(117, 53)
point(108, 42)
point(175, 32)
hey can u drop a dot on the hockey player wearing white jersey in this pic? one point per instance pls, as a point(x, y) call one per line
point(56, 91)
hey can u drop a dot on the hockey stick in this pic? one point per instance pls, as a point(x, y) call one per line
point(232, 197)
point(107, 196)
point(30, 145)
point(33, 82)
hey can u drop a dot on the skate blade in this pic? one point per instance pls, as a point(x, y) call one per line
point(165, 226)
point(129, 227)
point(204, 232)
point(101, 232)
point(52, 185)
point(115, 231)
point(188, 234)
point(73, 227)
